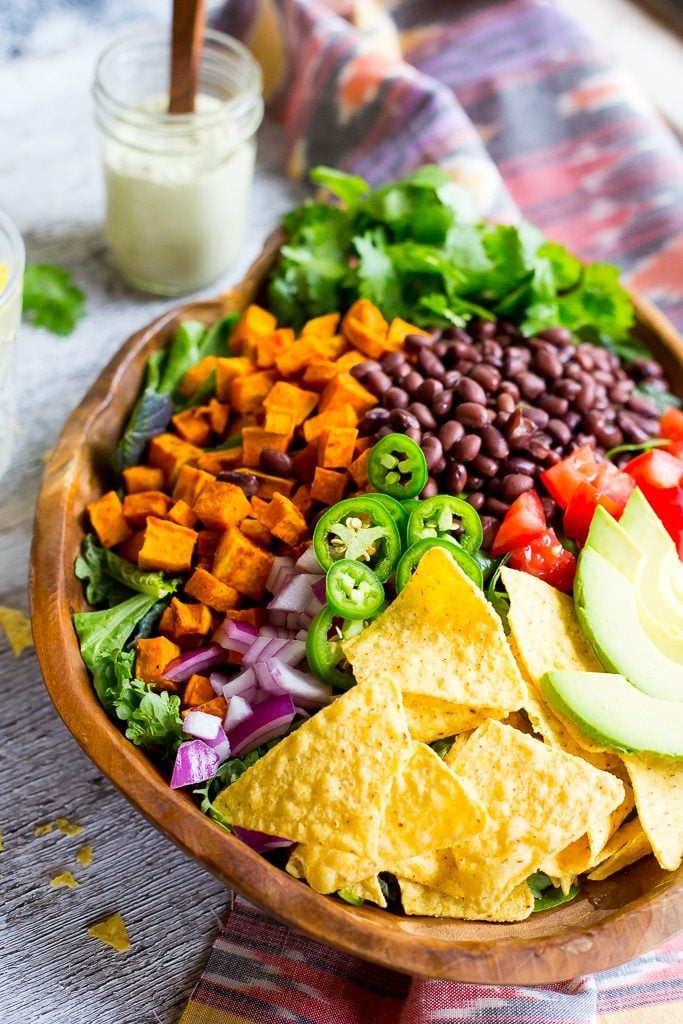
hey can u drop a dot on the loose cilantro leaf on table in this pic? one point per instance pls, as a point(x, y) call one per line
point(51, 299)
point(547, 895)
point(416, 249)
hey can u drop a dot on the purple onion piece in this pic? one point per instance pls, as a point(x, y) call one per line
point(195, 762)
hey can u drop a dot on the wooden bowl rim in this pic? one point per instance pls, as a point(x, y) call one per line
point(656, 915)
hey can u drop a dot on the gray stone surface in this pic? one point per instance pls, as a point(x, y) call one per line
point(50, 969)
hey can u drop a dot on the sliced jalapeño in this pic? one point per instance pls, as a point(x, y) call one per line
point(449, 518)
point(362, 530)
point(412, 557)
point(353, 590)
point(324, 651)
point(397, 467)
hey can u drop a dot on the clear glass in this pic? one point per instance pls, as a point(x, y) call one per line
point(177, 185)
point(12, 258)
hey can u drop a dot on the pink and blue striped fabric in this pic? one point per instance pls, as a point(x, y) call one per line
point(514, 99)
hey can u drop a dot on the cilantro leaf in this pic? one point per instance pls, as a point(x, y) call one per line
point(51, 299)
point(662, 399)
point(350, 188)
point(152, 718)
point(377, 274)
point(546, 895)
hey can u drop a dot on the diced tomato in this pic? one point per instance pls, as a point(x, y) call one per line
point(582, 506)
point(524, 521)
point(563, 478)
point(656, 468)
point(545, 558)
point(671, 424)
point(614, 484)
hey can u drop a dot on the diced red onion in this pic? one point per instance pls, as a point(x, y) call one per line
point(201, 726)
point(301, 712)
point(238, 711)
point(297, 595)
point(263, 647)
point(278, 631)
point(292, 653)
point(308, 562)
point(282, 567)
point(299, 620)
point(195, 762)
point(259, 841)
point(271, 718)
point(318, 589)
point(278, 619)
point(235, 636)
point(301, 635)
point(239, 685)
point(221, 744)
point(277, 678)
point(180, 669)
point(218, 680)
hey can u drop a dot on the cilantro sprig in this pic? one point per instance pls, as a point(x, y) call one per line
point(51, 299)
point(416, 248)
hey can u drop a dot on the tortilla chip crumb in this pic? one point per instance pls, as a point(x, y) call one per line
point(112, 931)
point(17, 629)
point(84, 855)
point(44, 829)
point(66, 878)
point(69, 828)
point(2, 842)
point(47, 455)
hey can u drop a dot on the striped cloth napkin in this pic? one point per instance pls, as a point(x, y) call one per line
point(515, 100)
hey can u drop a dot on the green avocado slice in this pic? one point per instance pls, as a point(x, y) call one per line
point(609, 710)
point(607, 607)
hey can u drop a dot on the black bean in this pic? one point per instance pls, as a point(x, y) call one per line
point(275, 462)
point(608, 435)
point(430, 488)
point(474, 482)
point(530, 385)
point(383, 431)
point(466, 449)
point(644, 369)
point(441, 405)
point(402, 420)
point(439, 466)
point(539, 450)
point(360, 370)
point(484, 465)
point(496, 507)
point(247, 481)
point(492, 353)
point(476, 499)
point(395, 398)
point(489, 525)
point(428, 391)
point(559, 431)
point(642, 405)
point(487, 376)
point(515, 484)
point(449, 433)
point(586, 396)
point(631, 428)
point(470, 414)
point(372, 421)
point(456, 334)
point(519, 430)
point(402, 371)
point(455, 478)
point(568, 389)
point(431, 446)
point(585, 358)
point(518, 464)
point(430, 364)
point(391, 361)
point(484, 329)
point(553, 404)
point(451, 378)
point(556, 335)
point(415, 434)
point(508, 387)
point(572, 419)
point(423, 415)
point(493, 442)
point(416, 342)
point(469, 391)
point(505, 402)
point(619, 392)
point(549, 507)
point(547, 365)
point(377, 382)
point(538, 416)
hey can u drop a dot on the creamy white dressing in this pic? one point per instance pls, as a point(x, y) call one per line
point(11, 273)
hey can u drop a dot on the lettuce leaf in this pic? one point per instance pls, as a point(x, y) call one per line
point(546, 895)
point(106, 574)
point(104, 633)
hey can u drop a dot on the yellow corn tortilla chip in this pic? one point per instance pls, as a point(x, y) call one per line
point(539, 800)
point(423, 901)
point(440, 637)
point(428, 809)
point(370, 890)
point(553, 729)
point(17, 629)
point(65, 878)
point(627, 845)
point(69, 828)
point(436, 870)
point(573, 860)
point(328, 782)
point(84, 855)
point(433, 718)
point(112, 931)
point(658, 789)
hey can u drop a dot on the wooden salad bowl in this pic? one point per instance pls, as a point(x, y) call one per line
point(609, 923)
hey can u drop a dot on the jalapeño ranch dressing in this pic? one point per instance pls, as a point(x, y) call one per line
point(11, 279)
point(177, 186)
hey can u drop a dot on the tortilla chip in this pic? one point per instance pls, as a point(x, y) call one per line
point(112, 931)
point(626, 846)
point(427, 902)
point(429, 808)
point(442, 638)
point(328, 782)
point(370, 890)
point(568, 863)
point(539, 800)
point(17, 629)
point(433, 718)
point(84, 855)
point(555, 731)
point(436, 870)
point(658, 790)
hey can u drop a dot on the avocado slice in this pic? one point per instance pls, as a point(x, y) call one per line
point(607, 709)
point(644, 526)
point(611, 540)
point(607, 607)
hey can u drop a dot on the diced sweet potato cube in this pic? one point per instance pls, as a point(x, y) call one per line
point(305, 461)
point(358, 470)
point(217, 706)
point(182, 514)
point(198, 690)
point(302, 499)
point(300, 401)
point(193, 426)
point(207, 542)
point(130, 547)
point(328, 486)
point(341, 416)
point(170, 453)
point(242, 564)
point(269, 485)
point(210, 591)
point(167, 546)
point(270, 346)
point(221, 505)
point(299, 355)
point(189, 623)
point(280, 420)
point(248, 393)
point(346, 389)
point(398, 329)
point(366, 329)
point(349, 359)
point(189, 484)
point(283, 519)
point(258, 506)
point(319, 375)
point(197, 375)
point(256, 531)
point(254, 616)
point(335, 447)
point(153, 655)
point(256, 439)
point(136, 507)
point(227, 369)
point(321, 326)
point(254, 322)
point(364, 442)
point(332, 347)
point(218, 462)
point(107, 520)
point(167, 622)
point(142, 478)
point(219, 416)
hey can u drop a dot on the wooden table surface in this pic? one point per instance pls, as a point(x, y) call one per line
point(51, 969)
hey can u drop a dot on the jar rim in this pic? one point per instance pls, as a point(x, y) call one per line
point(18, 250)
point(243, 103)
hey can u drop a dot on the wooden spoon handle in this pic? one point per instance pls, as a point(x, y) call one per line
point(186, 43)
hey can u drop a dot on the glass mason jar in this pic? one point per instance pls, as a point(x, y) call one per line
point(177, 185)
point(12, 258)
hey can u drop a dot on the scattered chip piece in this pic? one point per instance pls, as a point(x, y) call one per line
point(2, 843)
point(17, 629)
point(69, 828)
point(44, 829)
point(65, 878)
point(112, 931)
point(84, 855)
